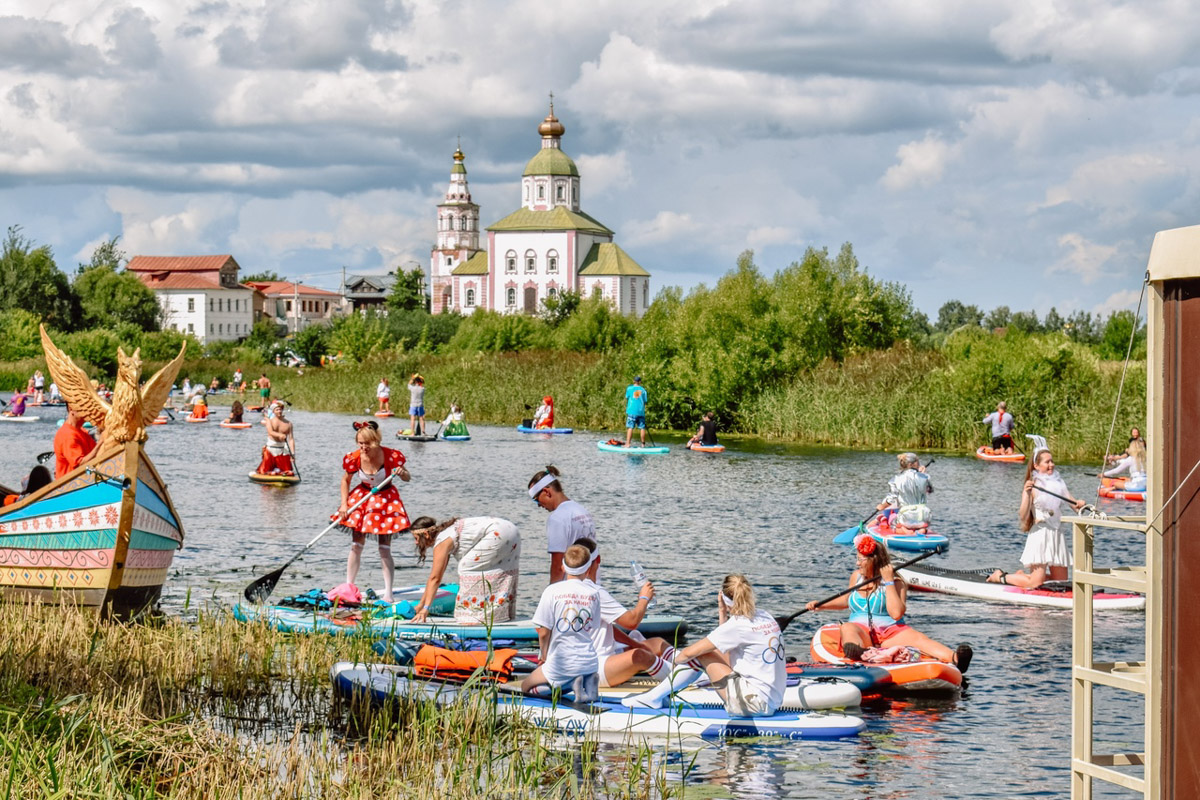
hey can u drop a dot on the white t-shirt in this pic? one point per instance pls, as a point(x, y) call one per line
point(755, 649)
point(610, 611)
point(566, 525)
point(383, 390)
point(570, 610)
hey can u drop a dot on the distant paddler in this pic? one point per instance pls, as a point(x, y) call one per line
point(635, 410)
point(416, 403)
point(281, 443)
point(488, 552)
point(1133, 460)
point(1002, 425)
point(383, 393)
point(16, 404)
point(544, 416)
point(455, 422)
point(706, 436)
point(904, 506)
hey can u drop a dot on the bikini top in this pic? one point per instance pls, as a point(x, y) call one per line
point(872, 609)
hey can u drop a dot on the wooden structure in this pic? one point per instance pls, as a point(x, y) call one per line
point(104, 534)
point(1168, 765)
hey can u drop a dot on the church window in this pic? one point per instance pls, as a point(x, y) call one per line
point(449, 261)
point(645, 293)
point(470, 297)
point(541, 192)
point(558, 192)
point(552, 292)
point(597, 289)
point(510, 297)
point(221, 328)
point(530, 261)
point(552, 261)
point(510, 261)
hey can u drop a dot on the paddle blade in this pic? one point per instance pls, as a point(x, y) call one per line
point(45, 458)
point(848, 536)
point(261, 589)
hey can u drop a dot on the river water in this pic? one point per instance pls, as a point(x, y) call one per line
point(767, 510)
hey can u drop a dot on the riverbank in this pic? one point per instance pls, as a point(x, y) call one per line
point(213, 708)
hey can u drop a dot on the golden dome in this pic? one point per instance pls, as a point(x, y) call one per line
point(550, 125)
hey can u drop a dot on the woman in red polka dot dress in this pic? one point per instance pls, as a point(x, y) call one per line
point(383, 515)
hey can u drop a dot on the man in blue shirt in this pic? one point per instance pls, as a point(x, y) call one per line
point(635, 410)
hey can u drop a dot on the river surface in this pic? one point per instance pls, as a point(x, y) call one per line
point(767, 510)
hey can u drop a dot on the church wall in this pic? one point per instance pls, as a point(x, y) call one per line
point(539, 245)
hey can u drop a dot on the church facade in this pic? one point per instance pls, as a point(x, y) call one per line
point(547, 246)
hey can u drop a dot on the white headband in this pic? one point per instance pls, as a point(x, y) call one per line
point(728, 600)
point(546, 480)
point(582, 568)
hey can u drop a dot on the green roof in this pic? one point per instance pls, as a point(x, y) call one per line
point(559, 218)
point(605, 258)
point(477, 264)
point(458, 169)
point(551, 161)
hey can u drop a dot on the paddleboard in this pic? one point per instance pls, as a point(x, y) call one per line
point(276, 480)
point(973, 583)
point(634, 450)
point(523, 429)
point(26, 418)
point(987, 454)
point(466, 437)
point(908, 542)
point(439, 627)
point(928, 676)
point(382, 683)
point(385, 413)
point(707, 448)
point(160, 421)
point(420, 437)
point(190, 418)
point(237, 425)
point(1123, 494)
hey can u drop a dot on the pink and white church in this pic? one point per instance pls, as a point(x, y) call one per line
point(546, 246)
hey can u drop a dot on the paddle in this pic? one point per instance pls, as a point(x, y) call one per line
point(1064, 499)
point(295, 464)
point(262, 588)
point(785, 621)
point(46, 457)
point(848, 536)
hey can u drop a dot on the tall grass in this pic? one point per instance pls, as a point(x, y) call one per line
point(220, 709)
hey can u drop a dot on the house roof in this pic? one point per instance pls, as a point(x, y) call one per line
point(180, 263)
point(183, 280)
point(380, 283)
point(289, 289)
point(605, 258)
point(477, 264)
point(551, 161)
point(559, 218)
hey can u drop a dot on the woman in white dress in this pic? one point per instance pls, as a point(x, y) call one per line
point(1046, 555)
point(488, 550)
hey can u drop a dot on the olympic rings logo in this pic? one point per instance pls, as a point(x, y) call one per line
point(574, 619)
point(773, 652)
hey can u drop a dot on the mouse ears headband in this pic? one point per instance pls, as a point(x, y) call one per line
point(358, 426)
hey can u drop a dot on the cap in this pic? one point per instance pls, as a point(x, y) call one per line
point(638, 379)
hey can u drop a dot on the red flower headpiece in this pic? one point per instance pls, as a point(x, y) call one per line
point(866, 545)
point(358, 426)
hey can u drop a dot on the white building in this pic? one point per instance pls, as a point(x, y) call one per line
point(199, 295)
point(545, 247)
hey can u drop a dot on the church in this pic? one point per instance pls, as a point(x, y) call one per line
point(546, 246)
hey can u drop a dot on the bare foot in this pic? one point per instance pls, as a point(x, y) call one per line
point(997, 576)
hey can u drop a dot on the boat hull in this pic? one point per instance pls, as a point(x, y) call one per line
point(102, 536)
point(973, 583)
point(928, 676)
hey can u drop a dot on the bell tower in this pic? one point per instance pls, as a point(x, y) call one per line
point(457, 234)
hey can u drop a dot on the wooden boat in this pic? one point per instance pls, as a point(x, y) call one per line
point(105, 533)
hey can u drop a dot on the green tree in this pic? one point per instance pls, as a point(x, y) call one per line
point(312, 343)
point(1082, 327)
point(1025, 321)
point(953, 315)
point(558, 308)
point(595, 327)
point(408, 292)
point(30, 280)
point(358, 336)
point(1114, 341)
point(262, 277)
point(108, 296)
point(998, 317)
point(19, 335)
point(1053, 323)
point(263, 339)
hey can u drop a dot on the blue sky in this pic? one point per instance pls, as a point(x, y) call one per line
point(1020, 153)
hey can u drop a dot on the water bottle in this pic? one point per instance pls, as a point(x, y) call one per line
point(639, 580)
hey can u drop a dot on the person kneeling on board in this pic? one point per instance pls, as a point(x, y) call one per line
point(743, 657)
point(488, 551)
point(566, 618)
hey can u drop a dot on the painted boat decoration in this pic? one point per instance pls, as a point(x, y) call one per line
point(526, 429)
point(973, 583)
point(104, 534)
point(928, 676)
point(382, 683)
point(706, 448)
point(916, 542)
point(633, 450)
point(274, 479)
point(299, 620)
point(988, 454)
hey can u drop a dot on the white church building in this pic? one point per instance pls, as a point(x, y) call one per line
point(545, 247)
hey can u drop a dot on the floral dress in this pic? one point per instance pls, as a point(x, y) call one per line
point(488, 550)
point(383, 514)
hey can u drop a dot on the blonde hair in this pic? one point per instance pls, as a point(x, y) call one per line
point(1137, 449)
point(738, 589)
point(576, 556)
point(372, 434)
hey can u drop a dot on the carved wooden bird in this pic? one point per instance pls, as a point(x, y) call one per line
point(133, 407)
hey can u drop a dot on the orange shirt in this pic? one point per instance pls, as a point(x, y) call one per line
point(71, 446)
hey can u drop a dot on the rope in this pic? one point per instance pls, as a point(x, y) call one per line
point(1167, 502)
point(1124, 369)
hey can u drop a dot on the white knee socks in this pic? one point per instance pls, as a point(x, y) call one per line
point(653, 698)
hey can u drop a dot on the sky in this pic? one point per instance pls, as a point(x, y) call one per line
point(1010, 152)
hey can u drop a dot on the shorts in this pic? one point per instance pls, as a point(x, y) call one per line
point(416, 411)
point(635, 422)
point(882, 632)
point(1000, 442)
point(602, 661)
point(742, 698)
point(264, 393)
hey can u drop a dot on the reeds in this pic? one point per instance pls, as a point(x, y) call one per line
point(217, 709)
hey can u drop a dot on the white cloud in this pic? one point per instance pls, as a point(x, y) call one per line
point(1083, 258)
point(920, 163)
point(158, 224)
point(1113, 180)
point(666, 227)
point(771, 235)
point(1124, 300)
point(604, 173)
